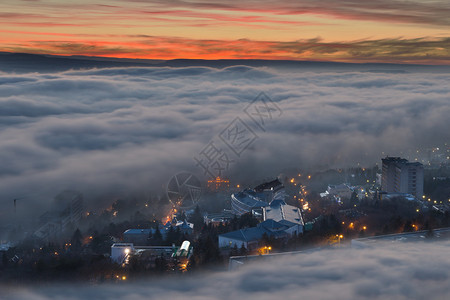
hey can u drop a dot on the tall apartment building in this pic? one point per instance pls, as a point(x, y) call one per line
point(401, 176)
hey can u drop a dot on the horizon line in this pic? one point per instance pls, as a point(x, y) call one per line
point(143, 60)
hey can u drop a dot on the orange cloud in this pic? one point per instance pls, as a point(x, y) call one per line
point(421, 50)
point(231, 29)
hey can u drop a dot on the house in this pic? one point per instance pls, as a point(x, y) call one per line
point(140, 236)
point(280, 221)
point(286, 215)
point(250, 237)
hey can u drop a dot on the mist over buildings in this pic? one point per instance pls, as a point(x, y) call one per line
point(121, 130)
point(417, 270)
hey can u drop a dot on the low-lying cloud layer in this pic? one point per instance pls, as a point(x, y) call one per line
point(133, 128)
point(405, 271)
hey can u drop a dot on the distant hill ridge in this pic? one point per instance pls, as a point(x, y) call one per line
point(23, 62)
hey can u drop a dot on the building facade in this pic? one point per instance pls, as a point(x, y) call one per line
point(401, 176)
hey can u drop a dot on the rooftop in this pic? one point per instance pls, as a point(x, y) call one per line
point(400, 195)
point(138, 231)
point(246, 235)
point(249, 198)
point(271, 185)
point(272, 225)
point(400, 161)
point(279, 211)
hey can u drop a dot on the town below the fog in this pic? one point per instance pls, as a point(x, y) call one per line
point(221, 224)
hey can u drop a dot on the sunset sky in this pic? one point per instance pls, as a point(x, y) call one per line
point(350, 31)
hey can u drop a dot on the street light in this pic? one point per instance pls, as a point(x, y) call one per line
point(339, 236)
point(265, 250)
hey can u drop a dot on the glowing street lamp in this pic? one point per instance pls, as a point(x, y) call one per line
point(265, 250)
